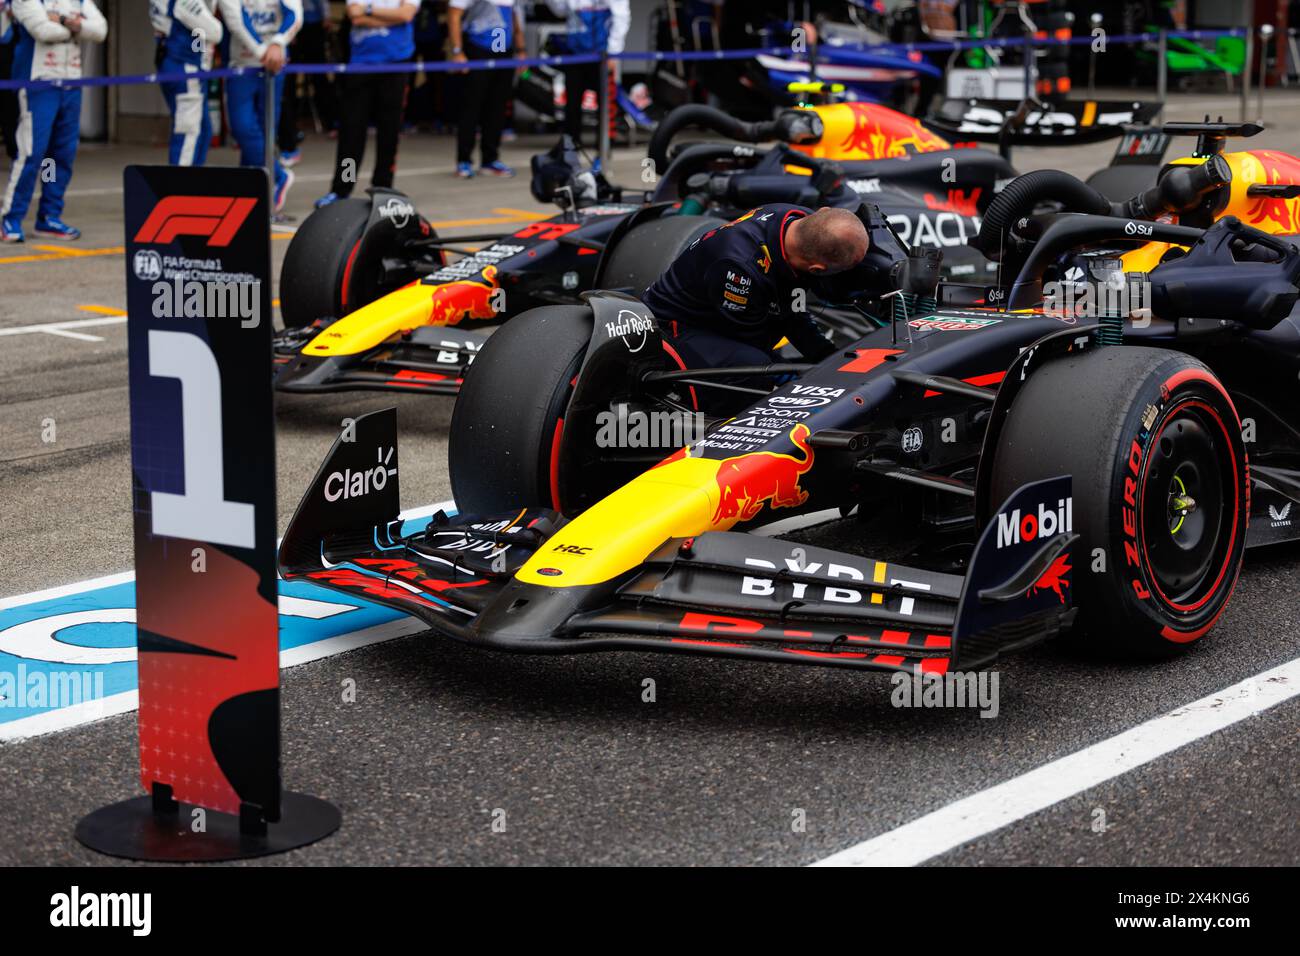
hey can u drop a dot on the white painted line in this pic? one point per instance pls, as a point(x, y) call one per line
point(992, 809)
point(63, 718)
point(61, 328)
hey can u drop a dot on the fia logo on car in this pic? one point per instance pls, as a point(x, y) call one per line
point(913, 439)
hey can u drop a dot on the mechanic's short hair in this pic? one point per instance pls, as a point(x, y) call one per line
point(835, 238)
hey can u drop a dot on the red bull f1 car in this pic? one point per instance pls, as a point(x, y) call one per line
point(992, 476)
point(370, 299)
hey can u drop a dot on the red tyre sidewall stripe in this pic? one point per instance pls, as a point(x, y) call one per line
point(672, 353)
point(555, 463)
point(1168, 632)
point(347, 273)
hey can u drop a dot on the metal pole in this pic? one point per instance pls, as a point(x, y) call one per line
point(268, 131)
point(1265, 35)
point(602, 98)
point(1095, 20)
point(1029, 65)
point(1162, 70)
point(1245, 69)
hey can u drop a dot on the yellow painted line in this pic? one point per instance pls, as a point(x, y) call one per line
point(102, 309)
point(503, 217)
point(63, 253)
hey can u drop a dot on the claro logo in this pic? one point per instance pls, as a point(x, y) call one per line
point(1015, 528)
point(217, 217)
point(357, 484)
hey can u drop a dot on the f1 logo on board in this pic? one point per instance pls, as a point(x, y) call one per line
point(358, 484)
point(1014, 528)
point(217, 217)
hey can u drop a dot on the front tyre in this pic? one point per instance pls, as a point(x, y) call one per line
point(1161, 494)
point(508, 423)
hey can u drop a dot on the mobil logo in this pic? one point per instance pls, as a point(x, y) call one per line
point(1017, 527)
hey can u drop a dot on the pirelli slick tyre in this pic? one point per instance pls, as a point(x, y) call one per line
point(317, 279)
point(647, 250)
point(506, 428)
point(1161, 494)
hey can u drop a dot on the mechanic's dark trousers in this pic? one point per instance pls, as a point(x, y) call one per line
point(577, 80)
point(8, 102)
point(368, 98)
point(484, 95)
point(309, 46)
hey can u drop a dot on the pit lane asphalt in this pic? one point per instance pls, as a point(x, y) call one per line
point(441, 734)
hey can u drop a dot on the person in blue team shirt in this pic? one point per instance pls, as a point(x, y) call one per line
point(49, 34)
point(381, 33)
point(188, 31)
point(594, 26)
point(484, 30)
point(260, 32)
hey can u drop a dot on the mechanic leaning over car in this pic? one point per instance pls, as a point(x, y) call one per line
point(735, 292)
point(49, 34)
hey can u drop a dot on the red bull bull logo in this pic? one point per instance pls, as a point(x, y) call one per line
point(748, 482)
point(879, 133)
point(1275, 214)
point(455, 302)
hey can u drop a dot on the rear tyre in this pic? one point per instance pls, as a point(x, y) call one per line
point(1160, 490)
point(507, 425)
point(649, 249)
point(316, 265)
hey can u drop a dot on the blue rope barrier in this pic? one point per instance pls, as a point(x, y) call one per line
point(885, 55)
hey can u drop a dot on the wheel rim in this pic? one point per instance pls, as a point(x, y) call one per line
point(1187, 493)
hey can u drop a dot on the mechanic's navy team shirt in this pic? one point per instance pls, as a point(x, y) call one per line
point(314, 11)
point(488, 24)
point(735, 281)
point(390, 44)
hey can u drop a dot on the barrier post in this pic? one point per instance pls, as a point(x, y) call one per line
point(1162, 68)
point(268, 129)
point(1245, 68)
point(1095, 20)
point(602, 98)
point(1265, 35)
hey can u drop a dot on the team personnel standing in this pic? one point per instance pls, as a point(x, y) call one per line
point(182, 26)
point(594, 26)
point(381, 33)
point(310, 45)
point(8, 98)
point(484, 30)
point(260, 32)
point(49, 34)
